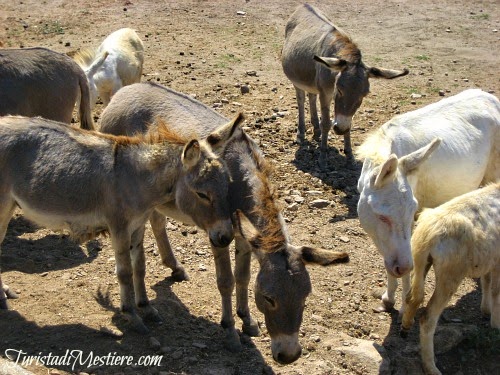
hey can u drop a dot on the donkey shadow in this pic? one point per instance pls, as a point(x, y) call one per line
point(476, 354)
point(339, 174)
point(189, 344)
point(49, 253)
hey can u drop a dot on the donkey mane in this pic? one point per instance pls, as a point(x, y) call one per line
point(159, 133)
point(85, 56)
point(344, 47)
point(376, 147)
point(272, 236)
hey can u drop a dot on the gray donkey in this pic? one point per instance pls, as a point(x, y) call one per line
point(340, 75)
point(87, 183)
point(41, 82)
point(282, 283)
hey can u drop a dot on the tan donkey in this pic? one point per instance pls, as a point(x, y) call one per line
point(87, 183)
point(460, 238)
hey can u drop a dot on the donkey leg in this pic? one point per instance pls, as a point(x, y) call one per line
point(389, 296)
point(139, 271)
point(486, 294)
point(6, 211)
point(447, 281)
point(325, 100)
point(348, 148)
point(314, 116)
point(168, 258)
point(121, 244)
point(301, 129)
point(242, 276)
point(225, 284)
point(495, 297)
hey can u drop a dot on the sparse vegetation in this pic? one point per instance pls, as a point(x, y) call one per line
point(422, 58)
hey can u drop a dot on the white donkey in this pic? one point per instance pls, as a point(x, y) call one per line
point(460, 238)
point(123, 52)
point(404, 170)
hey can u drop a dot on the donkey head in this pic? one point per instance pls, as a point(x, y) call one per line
point(387, 206)
point(282, 286)
point(203, 190)
point(351, 86)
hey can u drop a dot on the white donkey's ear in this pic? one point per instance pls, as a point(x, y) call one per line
point(191, 154)
point(412, 161)
point(96, 64)
point(387, 172)
point(222, 134)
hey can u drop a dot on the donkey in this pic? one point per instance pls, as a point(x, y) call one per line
point(339, 75)
point(460, 238)
point(41, 82)
point(122, 66)
point(88, 183)
point(282, 283)
point(422, 159)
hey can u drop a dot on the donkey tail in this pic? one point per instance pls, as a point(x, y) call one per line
point(84, 111)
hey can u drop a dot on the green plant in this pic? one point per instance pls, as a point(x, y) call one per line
point(227, 59)
point(482, 16)
point(422, 58)
point(52, 28)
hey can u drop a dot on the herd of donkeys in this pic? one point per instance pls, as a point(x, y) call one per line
point(429, 186)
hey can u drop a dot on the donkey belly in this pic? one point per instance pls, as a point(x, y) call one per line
point(81, 225)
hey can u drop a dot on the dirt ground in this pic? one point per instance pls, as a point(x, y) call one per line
point(68, 293)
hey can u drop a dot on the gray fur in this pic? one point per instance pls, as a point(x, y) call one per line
point(338, 74)
point(283, 282)
point(41, 82)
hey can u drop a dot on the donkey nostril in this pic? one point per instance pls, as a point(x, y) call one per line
point(224, 240)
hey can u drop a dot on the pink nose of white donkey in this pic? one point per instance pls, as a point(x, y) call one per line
point(399, 268)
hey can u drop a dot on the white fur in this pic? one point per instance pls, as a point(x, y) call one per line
point(460, 238)
point(468, 125)
point(121, 67)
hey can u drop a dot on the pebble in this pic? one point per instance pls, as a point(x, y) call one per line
point(245, 89)
point(415, 96)
point(177, 354)
point(154, 343)
point(202, 267)
point(199, 345)
point(344, 239)
point(441, 93)
point(319, 203)
point(241, 13)
point(251, 73)
point(293, 207)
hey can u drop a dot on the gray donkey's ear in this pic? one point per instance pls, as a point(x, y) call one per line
point(222, 134)
point(191, 154)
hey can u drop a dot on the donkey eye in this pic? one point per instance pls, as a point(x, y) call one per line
point(385, 220)
point(203, 196)
point(270, 301)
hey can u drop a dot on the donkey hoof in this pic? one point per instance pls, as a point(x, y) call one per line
point(300, 139)
point(251, 329)
point(136, 323)
point(403, 332)
point(4, 305)
point(384, 307)
point(11, 294)
point(151, 314)
point(179, 274)
point(232, 341)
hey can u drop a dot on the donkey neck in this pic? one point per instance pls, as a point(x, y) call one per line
point(155, 167)
point(250, 175)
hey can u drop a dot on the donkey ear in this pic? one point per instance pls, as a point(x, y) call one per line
point(333, 63)
point(191, 154)
point(412, 161)
point(221, 135)
point(313, 255)
point(386, 73)
point(246, 228)
point(387, 172)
